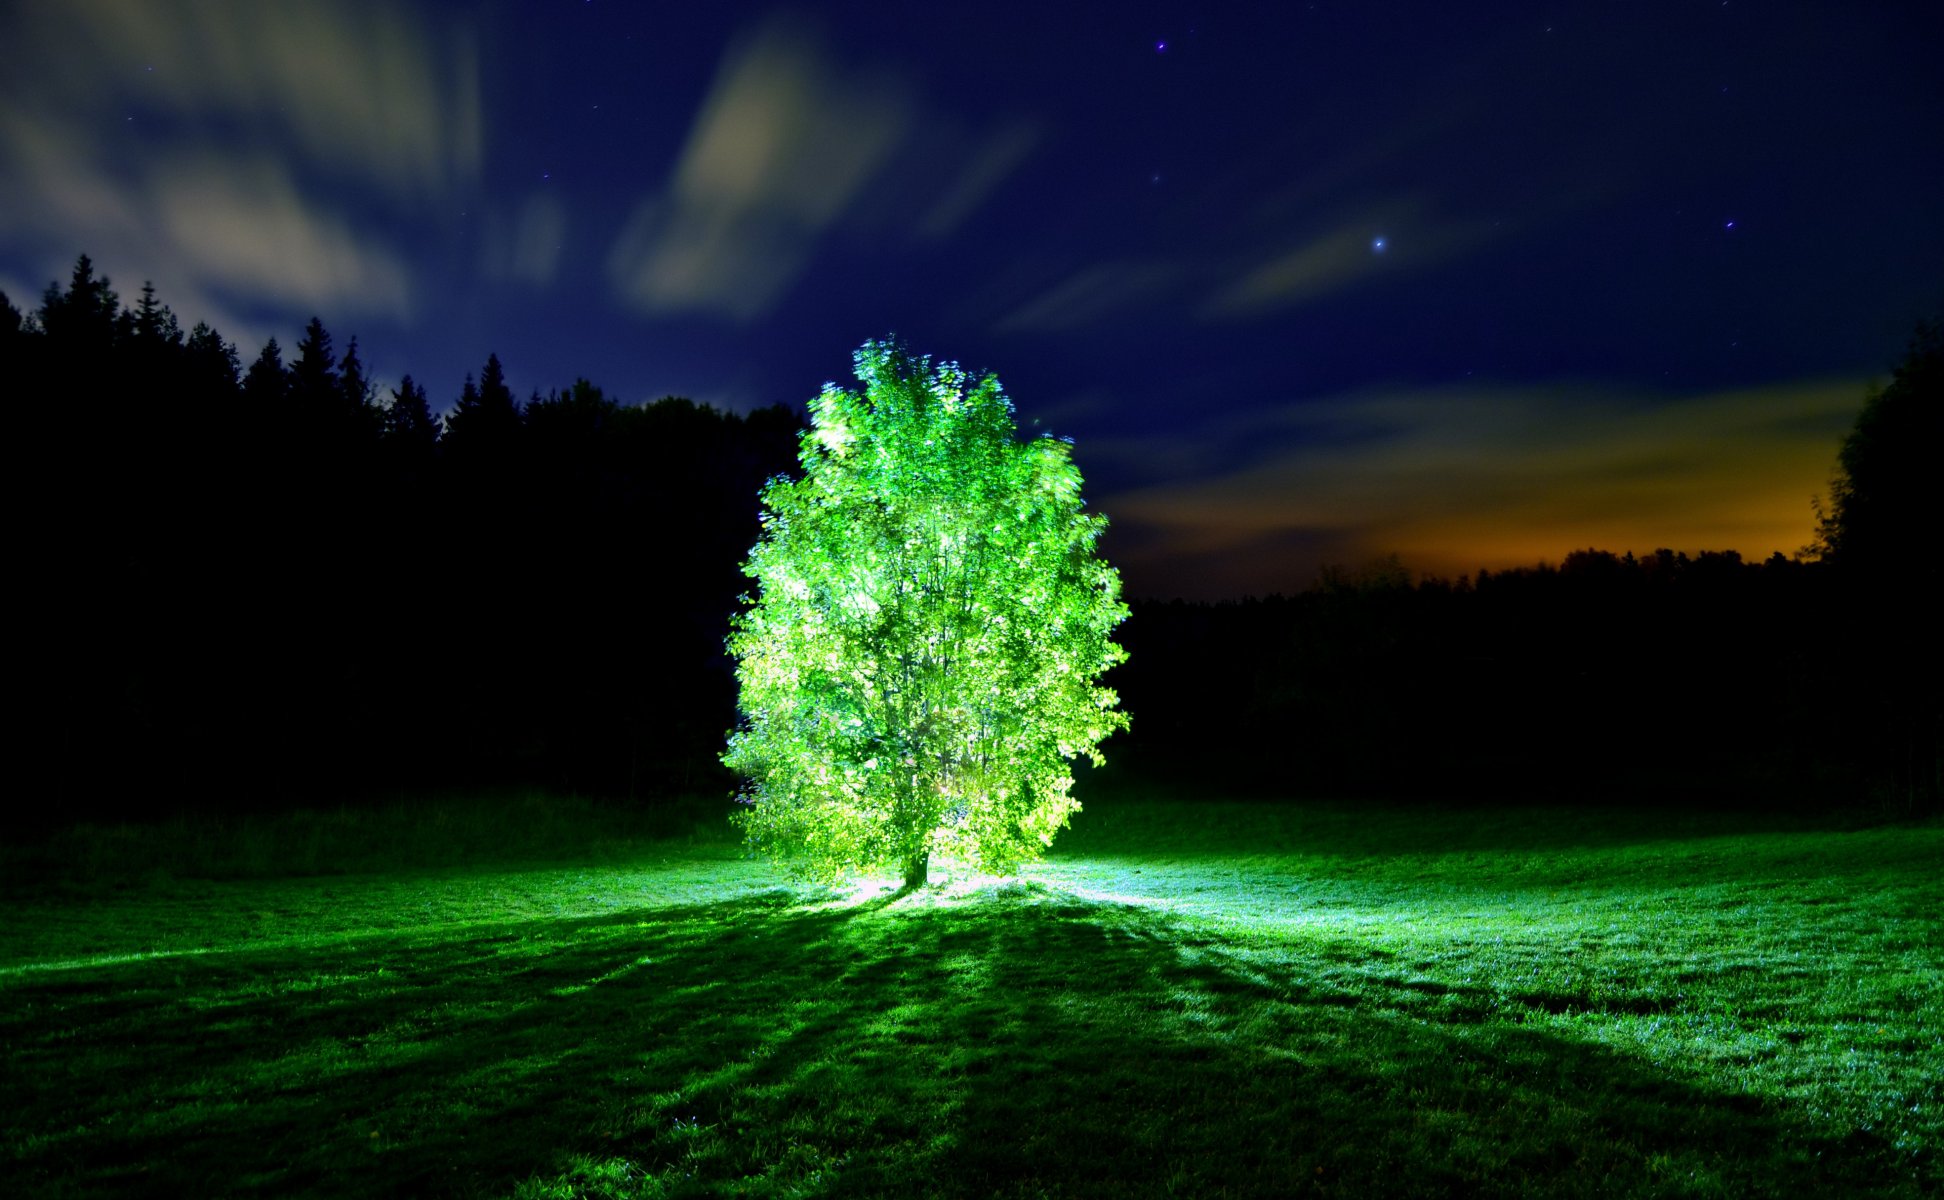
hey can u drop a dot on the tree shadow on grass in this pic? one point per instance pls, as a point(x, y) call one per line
point(1017, 1042)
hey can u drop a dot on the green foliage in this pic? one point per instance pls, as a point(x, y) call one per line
point(918, 668)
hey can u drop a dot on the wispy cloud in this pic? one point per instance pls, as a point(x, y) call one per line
point(1380, 239)
point(526, 247)
point(783, 145)
point(790, 145)
point(983, 167)
point(212, 225)
point(234, 151)
point(1249, 273)
point(1455, 479)
point(1091, 294)
point(247, 229)
point(55, 182)
point(356, 88)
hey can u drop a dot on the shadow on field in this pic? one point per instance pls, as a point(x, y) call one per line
point(1017, 1042)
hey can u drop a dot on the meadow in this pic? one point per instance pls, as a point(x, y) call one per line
point(544, 999)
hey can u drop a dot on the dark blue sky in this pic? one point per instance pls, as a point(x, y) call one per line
point(1478, 284)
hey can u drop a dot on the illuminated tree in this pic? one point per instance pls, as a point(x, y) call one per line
point(918, 668)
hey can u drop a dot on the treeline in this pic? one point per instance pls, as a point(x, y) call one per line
point(252, 586)
point(1661, 679)
point(1668, 678)
point(1552, 678)
point(255, 586)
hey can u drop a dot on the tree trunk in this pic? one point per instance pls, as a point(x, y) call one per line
point(916, 869)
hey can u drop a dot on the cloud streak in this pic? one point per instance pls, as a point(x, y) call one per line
point(790, 146)
point(249, 231)
point(224, 146)
point(986, 165)
point(356, 88)
point(526, 248)
point(1458, 479)
point(1346, 255)
point(1092, 294)
point(781, 148)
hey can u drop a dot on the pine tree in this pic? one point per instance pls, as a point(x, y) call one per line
point(364, 421)
point(267, 383)
point(356, 389)
point(212, 362)
point(486, 420)
point(155, 324)
point(314, 383)
point(409, 423)
point(81, 321)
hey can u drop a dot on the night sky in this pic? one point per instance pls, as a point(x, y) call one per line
point(1478, 284)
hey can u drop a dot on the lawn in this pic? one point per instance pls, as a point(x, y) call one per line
point(1197, 999)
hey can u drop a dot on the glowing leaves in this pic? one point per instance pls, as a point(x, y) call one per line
point(835, 439)
point(929, 588)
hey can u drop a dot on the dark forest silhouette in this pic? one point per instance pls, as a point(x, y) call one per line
point(1664, 678)
point(1668, 677)
point(252, 587)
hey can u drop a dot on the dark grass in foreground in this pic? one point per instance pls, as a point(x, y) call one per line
point(403, 833)
point(1188, 999)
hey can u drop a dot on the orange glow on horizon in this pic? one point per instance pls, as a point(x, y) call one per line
point(1457, 481)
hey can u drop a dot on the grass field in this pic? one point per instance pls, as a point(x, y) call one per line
point(1186, 999)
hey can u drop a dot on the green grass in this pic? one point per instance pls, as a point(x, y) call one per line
point(407, 833)
point(1198, 1000)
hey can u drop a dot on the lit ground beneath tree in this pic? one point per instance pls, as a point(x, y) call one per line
point(1189, 999)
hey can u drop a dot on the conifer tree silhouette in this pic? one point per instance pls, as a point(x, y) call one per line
point(409, 424)
point(214, 371)
point(314, 380)
point(154, 323)
point(267, 383)
point(486, 421)
point(81, 321)
point(363, 420)
point(226, 576)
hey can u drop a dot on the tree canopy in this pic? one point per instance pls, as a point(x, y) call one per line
point(919, 666)
point(1883, 514)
